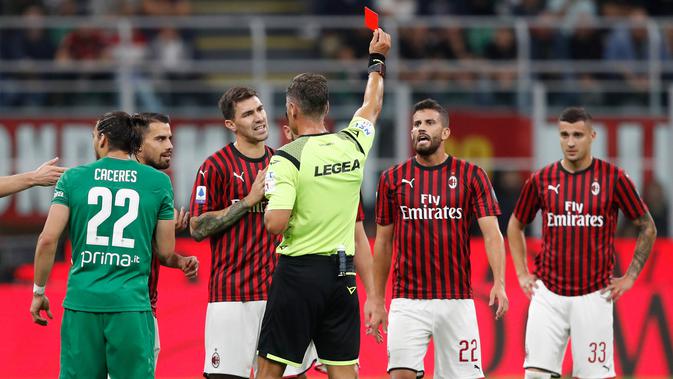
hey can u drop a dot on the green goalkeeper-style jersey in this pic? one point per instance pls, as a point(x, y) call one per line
point(114, 208)
point(318, 177)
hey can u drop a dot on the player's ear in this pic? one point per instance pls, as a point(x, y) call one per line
point(102, 140)
point(446, 133)
point(230, 125)
point(292, 110)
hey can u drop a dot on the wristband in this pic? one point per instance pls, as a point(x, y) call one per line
point(38, 290)
point(375, 58)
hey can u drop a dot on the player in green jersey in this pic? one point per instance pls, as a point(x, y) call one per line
point(112, 207)
point(313, 187)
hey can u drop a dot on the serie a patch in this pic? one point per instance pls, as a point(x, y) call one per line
point(201, 195)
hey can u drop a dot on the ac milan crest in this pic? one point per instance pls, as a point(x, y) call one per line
point(215, 360)
point(595, 188)
point(453, 182)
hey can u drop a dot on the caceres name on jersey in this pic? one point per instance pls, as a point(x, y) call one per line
point(127, 176)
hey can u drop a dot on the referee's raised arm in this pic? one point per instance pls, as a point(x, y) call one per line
point(373, 99)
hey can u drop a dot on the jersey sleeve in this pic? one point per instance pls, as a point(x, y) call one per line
point(166, 210)
point(384, 201)
point(61, 193)
point(361, 211)
point(361, 132)
point(484, 201)
point(627, 197)
point(527, 206)
point(280, 183)
point(206, 192)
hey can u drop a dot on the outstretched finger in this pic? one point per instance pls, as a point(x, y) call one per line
point(50, 162)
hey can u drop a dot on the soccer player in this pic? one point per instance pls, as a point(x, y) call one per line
point(424, 209)
point(113, 207)
point(45, 175)
point(313, 187)
point(227, 206)
point(156, 151)
point(572, 288)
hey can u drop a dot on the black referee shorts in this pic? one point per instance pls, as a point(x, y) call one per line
point(308, 300)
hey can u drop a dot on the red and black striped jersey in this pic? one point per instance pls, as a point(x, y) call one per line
point(579, 218)
point(242, 256)
point(431, 209)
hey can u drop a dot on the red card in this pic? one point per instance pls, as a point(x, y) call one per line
point(371, 19)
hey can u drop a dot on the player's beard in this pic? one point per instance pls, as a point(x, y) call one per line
point(425, 151)
point(159, 164)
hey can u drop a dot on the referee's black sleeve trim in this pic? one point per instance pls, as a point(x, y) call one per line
point(289, 157)
point(349, 135)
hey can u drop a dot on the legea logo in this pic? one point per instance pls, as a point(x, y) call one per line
point(110, 259)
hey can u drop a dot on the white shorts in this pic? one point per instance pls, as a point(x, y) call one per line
point(232, 335)
point(586, 320)
point(453, 326)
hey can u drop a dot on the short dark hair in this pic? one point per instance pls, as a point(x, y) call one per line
point(227, 103)
point(311, 94)
point(122, 130)
point(155, 117)
point(574, 114)
point(434, 105)
point(150, 117)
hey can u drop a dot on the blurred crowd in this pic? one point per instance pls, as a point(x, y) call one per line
point(480, 60)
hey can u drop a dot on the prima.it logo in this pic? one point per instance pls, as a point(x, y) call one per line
point(107, 259)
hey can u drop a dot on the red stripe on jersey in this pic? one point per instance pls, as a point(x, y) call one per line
point(153, 282)
point(579, 220)
point(242, 256)
point(361, 212)
point(431, 209)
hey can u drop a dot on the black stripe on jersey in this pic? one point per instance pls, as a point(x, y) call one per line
point(355, 141)
point(289, 157)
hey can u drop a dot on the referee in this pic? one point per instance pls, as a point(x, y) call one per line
point(313, 187)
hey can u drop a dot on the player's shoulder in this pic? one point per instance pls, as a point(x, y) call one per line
point(607, 167)
point(220, 159)
point(398, 168)
point(292, 151)
point(552, 168)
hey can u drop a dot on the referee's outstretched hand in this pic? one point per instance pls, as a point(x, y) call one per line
point(380, 43)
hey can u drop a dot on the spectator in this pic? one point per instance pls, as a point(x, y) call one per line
point(28, 45)
point(586, 44)
point(628, 43)
point(527, 8)
point(569, 11)
point(502, 49)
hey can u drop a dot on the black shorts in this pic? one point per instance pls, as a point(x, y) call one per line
point(308, 300)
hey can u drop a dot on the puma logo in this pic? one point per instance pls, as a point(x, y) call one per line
point(552, 188)
point(203, 173)
point(409, 182)
point(240, 176)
